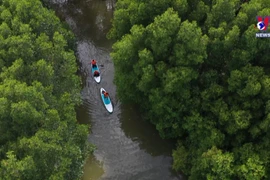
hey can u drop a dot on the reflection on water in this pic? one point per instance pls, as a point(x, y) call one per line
point(110, 4)
point(92, 169)
point(89, 19)
point(148, 136)
point(99, 22)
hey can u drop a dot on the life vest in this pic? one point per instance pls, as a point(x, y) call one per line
point(94, 62)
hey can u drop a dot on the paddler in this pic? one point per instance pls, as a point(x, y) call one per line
point(96, 74)
point(94, 63)
point(106, 95)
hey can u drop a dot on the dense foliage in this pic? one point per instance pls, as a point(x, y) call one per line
point(201, 76)
point(39, 135)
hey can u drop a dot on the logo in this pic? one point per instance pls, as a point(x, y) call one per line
point(262, 25)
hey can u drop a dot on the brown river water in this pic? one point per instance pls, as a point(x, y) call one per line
point(128, 148)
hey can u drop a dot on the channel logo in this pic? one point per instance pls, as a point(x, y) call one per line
point(262, 25)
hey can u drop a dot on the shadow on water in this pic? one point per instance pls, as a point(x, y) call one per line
point(148, 137)
point(127, 147)
point(89, 19)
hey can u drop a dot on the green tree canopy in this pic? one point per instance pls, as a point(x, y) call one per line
point(39, 134)
point(200, 76)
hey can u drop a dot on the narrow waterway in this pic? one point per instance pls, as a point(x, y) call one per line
point(128, 148)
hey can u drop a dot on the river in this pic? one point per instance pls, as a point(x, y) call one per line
point(128, 148)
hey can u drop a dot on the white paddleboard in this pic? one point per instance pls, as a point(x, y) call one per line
point(97, 79)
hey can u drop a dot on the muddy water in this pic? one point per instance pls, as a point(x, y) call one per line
point(128, 148)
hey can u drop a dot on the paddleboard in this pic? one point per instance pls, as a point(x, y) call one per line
point(97, 79)
point(106, 101)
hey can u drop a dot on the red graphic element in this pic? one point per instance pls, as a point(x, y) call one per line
point(264, 20)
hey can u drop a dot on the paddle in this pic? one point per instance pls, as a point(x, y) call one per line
point(100, 65)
